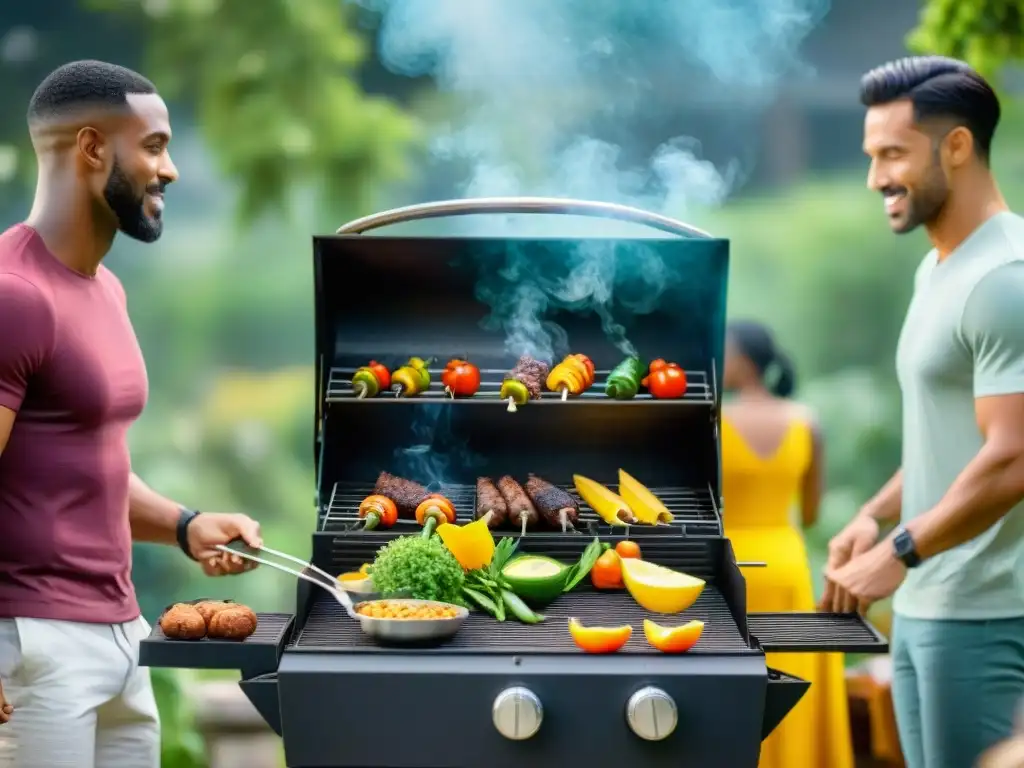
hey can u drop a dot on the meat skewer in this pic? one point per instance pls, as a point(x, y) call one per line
point(523, 383)
point(490, 503)
point(406, 494)
point(521, 511)
point(555, 505)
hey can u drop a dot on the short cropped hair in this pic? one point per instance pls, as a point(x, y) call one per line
point(85, 84)
point(938, 88)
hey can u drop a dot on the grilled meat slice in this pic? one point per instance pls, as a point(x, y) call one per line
point(489, 501)
point(521, 511)
point(531, 373)
point(558, 508)
point(406, 494)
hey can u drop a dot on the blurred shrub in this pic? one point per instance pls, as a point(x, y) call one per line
point(182, 746)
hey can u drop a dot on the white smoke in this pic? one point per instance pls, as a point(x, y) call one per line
point(539, 81)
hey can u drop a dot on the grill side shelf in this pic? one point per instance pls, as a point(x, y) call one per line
point(258, 654)
point(798, 632)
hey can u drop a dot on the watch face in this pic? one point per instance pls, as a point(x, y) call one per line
point(904, 548)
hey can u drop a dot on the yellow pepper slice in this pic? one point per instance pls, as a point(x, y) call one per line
point(472, 544)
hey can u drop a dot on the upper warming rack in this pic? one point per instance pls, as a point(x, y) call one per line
point(699, 390)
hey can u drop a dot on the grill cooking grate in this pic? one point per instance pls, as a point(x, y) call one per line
point(339, 388)
point(695, 511)
point(328, 628)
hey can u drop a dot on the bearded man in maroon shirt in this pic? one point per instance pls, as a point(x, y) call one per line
point(72, 381)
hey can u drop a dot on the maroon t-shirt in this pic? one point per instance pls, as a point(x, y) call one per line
point(72, 371)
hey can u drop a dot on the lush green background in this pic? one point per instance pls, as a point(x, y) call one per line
point(278, 139)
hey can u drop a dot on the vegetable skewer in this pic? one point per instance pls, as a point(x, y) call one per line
point(624, 380)
point(524, 382)
point(460, 379)
point(665, 380)
point(433, 511)
point(370, 379)
point(411, 379)
point(572, 376)
point(377, 510)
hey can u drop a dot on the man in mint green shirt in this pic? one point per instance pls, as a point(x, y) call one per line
point(955, 560)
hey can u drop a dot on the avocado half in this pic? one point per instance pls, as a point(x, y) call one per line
point(536, 578)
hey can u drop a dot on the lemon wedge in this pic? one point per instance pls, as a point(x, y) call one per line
point(659, 589)
point(356, 581)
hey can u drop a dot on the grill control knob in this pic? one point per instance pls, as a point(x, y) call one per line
point(517, 713)
point(651, 714)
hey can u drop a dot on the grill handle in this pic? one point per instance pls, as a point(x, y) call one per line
point(309, 572)
point(508, 205)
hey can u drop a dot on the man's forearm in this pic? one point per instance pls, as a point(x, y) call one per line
point(153, 517)
point(885, 505)
point(989, 487)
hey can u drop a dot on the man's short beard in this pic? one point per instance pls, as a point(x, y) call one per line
point(927, 203)
point(129, 208)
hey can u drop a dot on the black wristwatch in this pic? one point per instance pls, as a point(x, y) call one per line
point(185, 518)
point(903, 547)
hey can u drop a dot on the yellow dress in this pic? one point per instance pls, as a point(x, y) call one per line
point(758, 496)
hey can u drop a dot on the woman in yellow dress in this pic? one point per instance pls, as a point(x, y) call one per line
point(772, 466)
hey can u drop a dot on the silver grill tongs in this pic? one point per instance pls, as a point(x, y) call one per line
point(389, 630)
point(309, 572)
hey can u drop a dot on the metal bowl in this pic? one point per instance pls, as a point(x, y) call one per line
point(412, 630)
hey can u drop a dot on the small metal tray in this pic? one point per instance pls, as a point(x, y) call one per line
point(411, 630)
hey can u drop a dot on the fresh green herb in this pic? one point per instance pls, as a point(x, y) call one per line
point(489, 583)
point(482, 600)
point(519, 609)
point(502, 554)
point(423, 568)
point(586, 562)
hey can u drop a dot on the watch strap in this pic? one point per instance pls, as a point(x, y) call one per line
point(904, 548)
point(185, 518)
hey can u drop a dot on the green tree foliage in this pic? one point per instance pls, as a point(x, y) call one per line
point(274, 88)
point(986, 33)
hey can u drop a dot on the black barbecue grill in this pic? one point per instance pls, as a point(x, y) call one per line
point(509, 694)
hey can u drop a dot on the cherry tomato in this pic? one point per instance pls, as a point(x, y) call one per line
point(628, 549)
point(665, 380)
point(607, 571)
point(462, 378)
point(381, 372)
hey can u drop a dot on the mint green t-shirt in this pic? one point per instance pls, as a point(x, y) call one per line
point(963, 338)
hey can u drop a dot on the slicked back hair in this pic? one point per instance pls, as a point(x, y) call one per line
point(83, 84)
point(938, 88)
